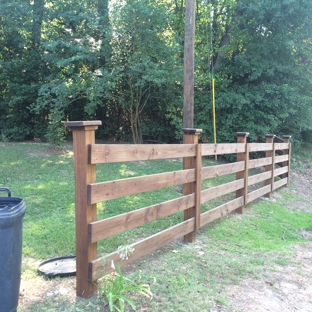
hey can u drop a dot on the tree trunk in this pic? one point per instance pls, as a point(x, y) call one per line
point(105, 48)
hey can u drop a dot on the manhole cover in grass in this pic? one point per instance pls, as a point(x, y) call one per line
point(62, 266)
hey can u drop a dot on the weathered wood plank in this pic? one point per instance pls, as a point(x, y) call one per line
point(221, 190)
point(221, 149)
point(111, 226)
point(221, 211)
point(280, 171)
point(259, 162)
point(289, 157)
point(246, 173)
point(281, 146)
point(190, 136)
point(279, 183)
point(242, 138)
point(272, 171)
point(260, 192)
point(220, 170)
point(142, 248)
point(259, 147)
point(282, 158)
point(286, 139)
point(112, 153)
point(269, 168)
point(83, 135)
point(198, 179)
point(259, 177)
point(98, 192)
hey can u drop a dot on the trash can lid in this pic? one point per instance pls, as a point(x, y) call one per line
point(10, 205)
point(61, 266)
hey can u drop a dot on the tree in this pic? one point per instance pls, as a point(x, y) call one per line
point(263, 75)
point(142, 59)
point(122, 62)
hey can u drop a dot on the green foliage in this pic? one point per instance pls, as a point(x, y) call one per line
point(116, 289)
point(143, 62)
point(122, 63)
point(262, 71)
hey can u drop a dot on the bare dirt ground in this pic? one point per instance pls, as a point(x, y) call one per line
point(288, 288)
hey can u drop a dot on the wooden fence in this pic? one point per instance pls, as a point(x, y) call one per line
point(275, 164)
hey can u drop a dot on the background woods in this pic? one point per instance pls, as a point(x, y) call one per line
point(122, 62)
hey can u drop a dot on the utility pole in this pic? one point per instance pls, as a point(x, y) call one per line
point(189, 43)
point(190, 135)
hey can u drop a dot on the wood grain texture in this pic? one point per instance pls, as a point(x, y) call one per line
point(221, 190)
point(198, 179)
point(260, 162)
point(103, 265)
point(220, 170)
point(258, 193)
point(98, 192)
point(111, 226)
point(288, 163)
point(260, 147)
point(190, 136)
point(85, 212)
point(113, 153)
point(246, 173)
point(279, 171)
point(282, 158)
point(279, 183)
point(269, 168)
point(189, 64)
point(243, 156)
point(281, 146)
point(221, 211)
point(222, 149)
point(257, 178)
point(287, 152)
point(272, 172)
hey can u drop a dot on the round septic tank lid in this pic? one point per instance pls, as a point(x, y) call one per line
point(61, 266)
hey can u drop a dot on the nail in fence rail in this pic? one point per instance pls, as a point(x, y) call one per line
point(88, 193)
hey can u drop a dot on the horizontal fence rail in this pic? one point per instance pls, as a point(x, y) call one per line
point(253, 178)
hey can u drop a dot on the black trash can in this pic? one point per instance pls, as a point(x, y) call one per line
point(12, 210)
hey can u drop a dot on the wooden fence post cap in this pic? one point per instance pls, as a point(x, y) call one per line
point(191, 131)
point(287, 137)
point(83, 125)
point(270, 136)
point(242, 134)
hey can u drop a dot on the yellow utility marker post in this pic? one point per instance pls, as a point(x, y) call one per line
point(214, 114)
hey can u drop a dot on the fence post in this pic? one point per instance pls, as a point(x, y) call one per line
point(190, 136)
point(85, 173)
point(269, 138)
point(286, 139)
point(242, 138)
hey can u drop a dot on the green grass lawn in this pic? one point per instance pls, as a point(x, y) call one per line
point(226, 251)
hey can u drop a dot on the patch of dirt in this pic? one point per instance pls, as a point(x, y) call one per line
point(301, 187)
point(288, 288)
